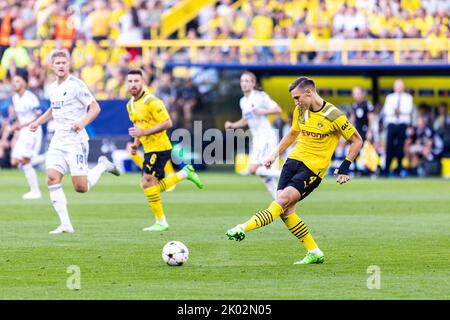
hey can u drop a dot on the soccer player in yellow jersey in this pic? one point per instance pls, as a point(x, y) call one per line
point(151, 120)
point(316, 127)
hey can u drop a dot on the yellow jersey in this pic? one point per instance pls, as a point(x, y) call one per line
point(146, 112)
point(319, 134)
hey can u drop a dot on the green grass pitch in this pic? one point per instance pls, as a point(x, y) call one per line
point(400, 225)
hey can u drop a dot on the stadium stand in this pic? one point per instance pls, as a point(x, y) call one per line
point(106, 38)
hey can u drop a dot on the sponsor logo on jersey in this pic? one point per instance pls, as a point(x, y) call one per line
point(314, 134)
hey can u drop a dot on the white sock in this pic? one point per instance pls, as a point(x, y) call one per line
point(30, 175)
point(95, 174)
point(271, 185)
point(162, 222)
point(59, 202)
point(316, 251)
point(182, 174)
point(262, 171)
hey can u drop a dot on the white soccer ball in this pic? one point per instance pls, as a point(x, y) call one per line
point(175, 253)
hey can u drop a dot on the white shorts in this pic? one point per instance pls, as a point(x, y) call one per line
point(72, 157)
point(28, 144)
point(260, 150)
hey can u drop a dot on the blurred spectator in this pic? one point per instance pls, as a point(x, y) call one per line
point(188, 99)
point(224, 10)
point(362, 115)
point(166, 91)
point(98, 21)
point(130, 27)
point(398, 112)
point(115, 85)
point(6, 136)
point(117, 12)
point(263, 25)
point(9, 25)
point(131, 31)
point(64, 27)
point(27, 18)
point(418, 146)
point(36, 75)
point(150, 13)
point(92, 74)
point(6, 90)
point(45, 18)
point(442, 119)
point(15, 56)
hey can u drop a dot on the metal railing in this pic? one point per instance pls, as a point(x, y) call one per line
point(344, 47)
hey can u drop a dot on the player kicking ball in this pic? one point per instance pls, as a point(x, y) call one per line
point(26, 108)
point(317, 127)
point(150, 121)
point(72, 107)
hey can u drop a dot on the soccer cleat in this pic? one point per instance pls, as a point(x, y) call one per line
point(62, 229)
point(32, 195)
point(110, 167)
point(157, 227)
point(192, 176)
point(237, 233)
point(311, 258)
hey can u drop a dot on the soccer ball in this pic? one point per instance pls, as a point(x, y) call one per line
point(175, 253)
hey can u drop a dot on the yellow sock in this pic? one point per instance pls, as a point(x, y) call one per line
point(154, 201)
point(264, 217)
point(299, 229)
point(169, 170)
point(170, 181)
point(138, 159)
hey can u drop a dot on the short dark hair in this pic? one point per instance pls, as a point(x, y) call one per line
point(302, 82)
point(22, 73)
point(136, 71)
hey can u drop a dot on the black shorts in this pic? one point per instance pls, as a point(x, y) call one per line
point(154, 163)
point(296, 174)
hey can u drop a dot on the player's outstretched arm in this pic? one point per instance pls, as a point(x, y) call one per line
point(272, 110)
point(285, 143)
point(341, 173)
point(235, 125)
point(93, 112)
point(44, 118)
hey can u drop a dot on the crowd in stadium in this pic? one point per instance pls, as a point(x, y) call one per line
point(128, 21)
point(88, 24)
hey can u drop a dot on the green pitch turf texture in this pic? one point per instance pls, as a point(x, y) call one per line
point(400, 225)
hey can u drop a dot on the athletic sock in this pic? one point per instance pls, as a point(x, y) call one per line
point(299, 229)
point(31, 176)
point(154, 201)
point(59, 202)
point(171, 180)
point(95, 174)
point(264, 217)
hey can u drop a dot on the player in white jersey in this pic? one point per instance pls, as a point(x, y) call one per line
point(72, 107)
point(26, 109)
point(256, 105)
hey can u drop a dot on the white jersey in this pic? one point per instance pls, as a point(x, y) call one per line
point(259, 125)
point(69, 101)
point(26, 107)
point(27, 110)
